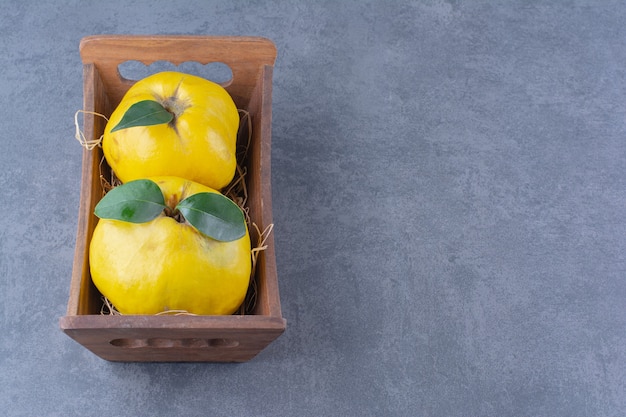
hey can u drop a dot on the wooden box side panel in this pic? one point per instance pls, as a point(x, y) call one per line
point(260, 202)
point(84, 298)
point(246, 56)
point(174, 339)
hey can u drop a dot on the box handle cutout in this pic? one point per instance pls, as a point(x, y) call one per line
point(217, 72)
point(163, 342)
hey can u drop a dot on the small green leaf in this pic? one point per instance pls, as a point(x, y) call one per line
point(214, 215)
point(144, 113)
point(136, 201)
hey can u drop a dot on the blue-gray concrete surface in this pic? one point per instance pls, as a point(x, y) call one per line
point(449, 197)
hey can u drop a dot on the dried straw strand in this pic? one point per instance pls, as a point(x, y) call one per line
point(88, 144)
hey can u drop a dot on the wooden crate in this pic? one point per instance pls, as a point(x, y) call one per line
point(134, 338)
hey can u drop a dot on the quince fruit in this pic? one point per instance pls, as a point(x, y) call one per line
point(172, 123)
point(169, 244)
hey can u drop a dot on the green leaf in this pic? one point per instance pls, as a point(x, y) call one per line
point(214, 215)
point(136, 201)
point(144, 113)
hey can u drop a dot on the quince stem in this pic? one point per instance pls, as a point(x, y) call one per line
point(175, 214)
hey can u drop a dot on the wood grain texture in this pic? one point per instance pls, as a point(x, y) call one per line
point(246, 57)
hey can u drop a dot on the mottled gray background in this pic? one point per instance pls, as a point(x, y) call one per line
point(449, 197)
